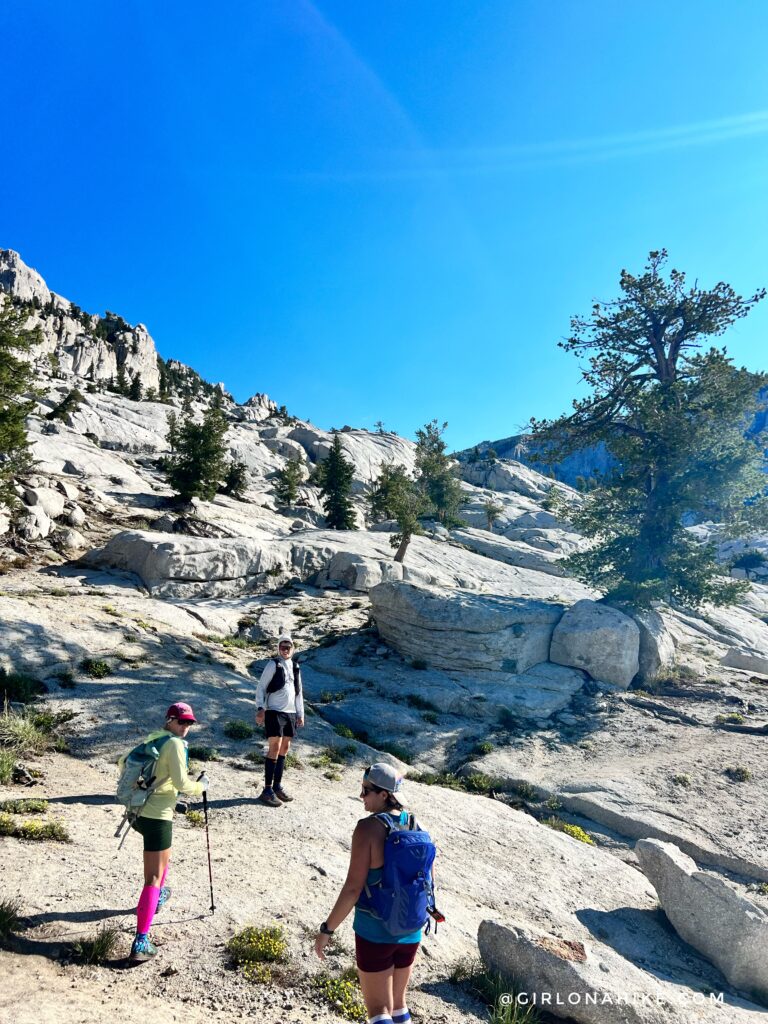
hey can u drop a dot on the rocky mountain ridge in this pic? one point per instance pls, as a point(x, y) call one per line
point(477, 663)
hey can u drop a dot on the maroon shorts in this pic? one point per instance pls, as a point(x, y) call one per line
point(381, 956)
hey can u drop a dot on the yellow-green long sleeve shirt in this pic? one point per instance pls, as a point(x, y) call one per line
point(171, 766)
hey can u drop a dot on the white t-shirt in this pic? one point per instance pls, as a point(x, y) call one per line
point(282, 700)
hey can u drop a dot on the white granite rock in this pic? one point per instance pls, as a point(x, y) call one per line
point(726, 928)
point(657, 648)
point(600, 640)
point(50, 501)
point(462, 630)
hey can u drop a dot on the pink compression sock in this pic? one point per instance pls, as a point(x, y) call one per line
point(145, 911)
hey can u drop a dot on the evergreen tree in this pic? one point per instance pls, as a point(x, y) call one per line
point(673, 416)
point(396, 495)
point(135, 389)
point(288, 480)
point(196, 465)
point(121, 384)
point(436, 473)
point(236, 479)
point(337, 487)
point(492, 512)
point(15, 382)
point(69, 404)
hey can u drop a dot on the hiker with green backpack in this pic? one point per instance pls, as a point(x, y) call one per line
point(391, 887)
point(152, 776)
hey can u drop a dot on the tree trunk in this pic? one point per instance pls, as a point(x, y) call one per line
point(400, 554)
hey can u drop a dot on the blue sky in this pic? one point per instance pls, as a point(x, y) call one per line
point(378, 210)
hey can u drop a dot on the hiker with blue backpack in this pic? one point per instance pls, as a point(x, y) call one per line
point(153, 774)
point(390, 886)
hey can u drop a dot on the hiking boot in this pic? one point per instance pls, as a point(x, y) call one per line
point(282, 795)
point(165, 895)
point(142, 949)
point(268, 797)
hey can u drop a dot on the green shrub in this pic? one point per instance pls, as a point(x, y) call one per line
point(526, 791)
point(66, 679)
point(255, 757)
point(344, 731)
point(24, 806)
point(291, 761)
point(330, 756)
point(570, 830)
point(195, 818)
point(738, 773)
point(7, 764)
point(478, 782)
point(682, 780)
point(733, 718)
point(95, 669)
point(397, 750)
point(100, 948)
point(553, 803)
point(413, 700)
point(10, 921)
point(430, 716)
point(419, 664)
point(253, 949)
point(486, 747)
point(328, 697)
point(342, 994)
point(53, 829)
point(19, 687)
point(204, 753)
point(237, 729)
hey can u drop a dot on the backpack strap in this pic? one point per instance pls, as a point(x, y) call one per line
point(385, 820)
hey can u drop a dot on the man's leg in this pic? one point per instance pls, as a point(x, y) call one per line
point(270, 763)
point(285, 746)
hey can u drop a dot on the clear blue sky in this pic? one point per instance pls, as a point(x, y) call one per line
point(383, 210)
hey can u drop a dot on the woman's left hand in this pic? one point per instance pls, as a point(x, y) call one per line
point(321, 943)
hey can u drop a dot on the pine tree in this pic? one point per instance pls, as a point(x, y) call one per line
point(121, 384)
point(196, 466)
point(436, 473)
point(15, 382)
point(337, 488)
point(288, 480)
point(236, 479)
point(492, 512)
point(69, 404)
point(673, 417)
point(135, 389)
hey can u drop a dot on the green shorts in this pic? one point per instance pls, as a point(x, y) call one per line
point(158, 834)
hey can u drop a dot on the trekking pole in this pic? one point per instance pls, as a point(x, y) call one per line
point(208, 845)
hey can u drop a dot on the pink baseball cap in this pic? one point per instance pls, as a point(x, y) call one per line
point(181, 712)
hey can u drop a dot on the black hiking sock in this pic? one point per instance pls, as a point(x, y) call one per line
point(269, 772)
point(279, 767)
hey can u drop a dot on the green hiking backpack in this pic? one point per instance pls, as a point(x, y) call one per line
point(138, 780)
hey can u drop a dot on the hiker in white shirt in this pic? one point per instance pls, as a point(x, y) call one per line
point(280, 708)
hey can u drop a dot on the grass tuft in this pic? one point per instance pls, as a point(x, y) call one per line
point(100, 948)
point(195, 818)
point(732, 718)
point(494, 991)
point(10, 921)
point(19, 687)
point(7, 764)
point(738, 773)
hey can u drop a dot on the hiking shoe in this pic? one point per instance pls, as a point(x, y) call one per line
point(142, 949)
point(282, 795)
point(165, 895)
point(268, 797)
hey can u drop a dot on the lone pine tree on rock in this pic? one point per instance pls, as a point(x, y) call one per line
point(197, 466)
point(336, 488)
point(673, 414)
point(15, 383)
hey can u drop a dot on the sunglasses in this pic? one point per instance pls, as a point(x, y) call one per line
point(367, 790)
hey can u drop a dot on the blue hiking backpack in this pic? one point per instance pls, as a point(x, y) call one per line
point(405, 895)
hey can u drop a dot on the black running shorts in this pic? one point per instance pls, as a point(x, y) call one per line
point(157, 833)
point(280, 723)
